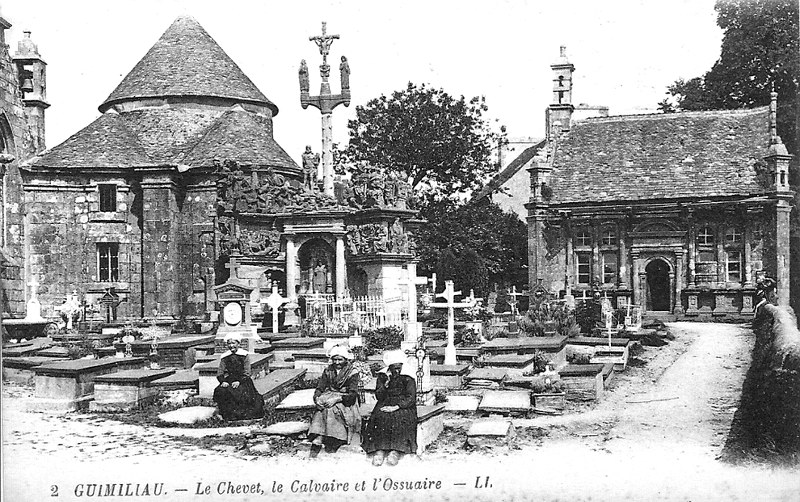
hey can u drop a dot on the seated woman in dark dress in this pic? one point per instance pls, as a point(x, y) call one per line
point(392, 428)
point(236, 396)
point(337, 420)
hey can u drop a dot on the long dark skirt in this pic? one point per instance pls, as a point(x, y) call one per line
point(396, 430)
point(241, 403)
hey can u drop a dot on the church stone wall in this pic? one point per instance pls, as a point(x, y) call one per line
point(197, 249)
point(21, 144)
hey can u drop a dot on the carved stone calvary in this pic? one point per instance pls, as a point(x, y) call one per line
point(325, 101)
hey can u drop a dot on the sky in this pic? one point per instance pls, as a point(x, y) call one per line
point(626, 52)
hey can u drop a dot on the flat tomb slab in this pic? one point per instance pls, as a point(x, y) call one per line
point(506, 401)
point(449, 369)
point(299, 400)
point(285, 429)
point(181, 379)
point(61, 352)
point(268, 336)
point(593, 341)
point(274, 382)
point(466, 354)
point(313, 355)
point(22, 351)
point(578, 370)
point(178, 351)
point(526, 344)
point(462, 403)
point(134, 377)
point(298, 343)
point(430, 424)
point(493, 374)
point(259, 365)
point(490, 432)
point(30, 362)
point(78, 367)
point(517, 361)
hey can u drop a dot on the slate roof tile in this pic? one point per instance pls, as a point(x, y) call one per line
point(105, 143)
point(186, 61)
point(664, 156)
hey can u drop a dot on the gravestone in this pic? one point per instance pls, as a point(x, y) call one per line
point(274, 302)
point(514, 364)
point(450, 304)
point(583, 382)
point(284, 349)
point(20, 369)
point(68, 385)
point(448, 377)
point(126, 390)
point(176, 351)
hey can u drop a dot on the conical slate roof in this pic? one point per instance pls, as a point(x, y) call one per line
point(186, 61)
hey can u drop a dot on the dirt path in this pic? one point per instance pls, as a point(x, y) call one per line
point(660, 447)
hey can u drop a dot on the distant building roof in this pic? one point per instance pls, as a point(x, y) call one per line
point(663, 156)
point(513, 168)
point(186, 61)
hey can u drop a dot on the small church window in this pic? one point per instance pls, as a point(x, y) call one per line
point(584, 268)
point(609, 237)
point(609, 268)
point(107, 261)
point(705, 237)
point(733, 236)
point(108, 197)
point(583, 238)
point(734, 266)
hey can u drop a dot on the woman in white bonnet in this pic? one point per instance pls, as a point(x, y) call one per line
point(236, 396)
point(337, 420)
point(392, 428)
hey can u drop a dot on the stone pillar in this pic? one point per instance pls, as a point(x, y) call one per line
point(677, 307)
point(782, 252)
point(341, 266)
point(672, 290)
point(623, 276)
point(159, 253)
point(722, 259)
point(637, 293)
point(747, 258)
point(291, 267)
point(327, 154)
point(569, 261)
point(692, 253)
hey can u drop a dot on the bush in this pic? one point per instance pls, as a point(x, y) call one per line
point(561, 320)
point(386, 338)
point(466, 336)
point(492, 332)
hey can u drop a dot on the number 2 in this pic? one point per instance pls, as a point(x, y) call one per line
point(54, 490)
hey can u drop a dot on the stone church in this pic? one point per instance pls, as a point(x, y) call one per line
point(179, 174)
point(23, 102)
point(681, 213)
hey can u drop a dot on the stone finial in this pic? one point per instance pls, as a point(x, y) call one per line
point(26, 47)
point(563, 51)
point(776, 144)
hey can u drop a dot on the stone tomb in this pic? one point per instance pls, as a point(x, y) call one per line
point(554, 347)
point(514, 364)
point(486, 377)
point(490, 432)
point(506, 401)
point(275, 386)
point(314, 361)
point(176, 351)
point(284, 349)
point(23, 350)
point(20, 369)
point(583, 382)
point(464, 355)
point(448, 377)
point(618, 356)
point(126, 390)
point(68, 385)
point(55, 352)
point(618, 353)
point(462, 404)
point(259, 366)
point(430, 424)
point(180, 380)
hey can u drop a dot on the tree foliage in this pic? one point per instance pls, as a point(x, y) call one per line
point(461, 233)
point(442, 145)
point(760, 48)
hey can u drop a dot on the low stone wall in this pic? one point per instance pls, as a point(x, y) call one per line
point(767, 424)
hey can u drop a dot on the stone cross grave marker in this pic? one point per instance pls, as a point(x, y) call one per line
point(513, 301)
point(33, 309)
point(411, 281)
point(110, 300)
point(450, 304)
point(233, 266)
point(274, 302)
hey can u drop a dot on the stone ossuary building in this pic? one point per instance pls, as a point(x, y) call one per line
point(681, 213)
point(181, 172)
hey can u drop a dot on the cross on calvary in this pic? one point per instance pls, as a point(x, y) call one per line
point(274, 302)
point(233, 267)
point(450, 304)
point(513, 301)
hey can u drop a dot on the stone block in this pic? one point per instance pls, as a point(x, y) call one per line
point(584, 382)
point(462, 403)
point(514, 364)
point(430, 424)
point(299, 400)
point(181, 379)
point(189, 415)
point(490, 432)
point(506, 401)
point(448, 376)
